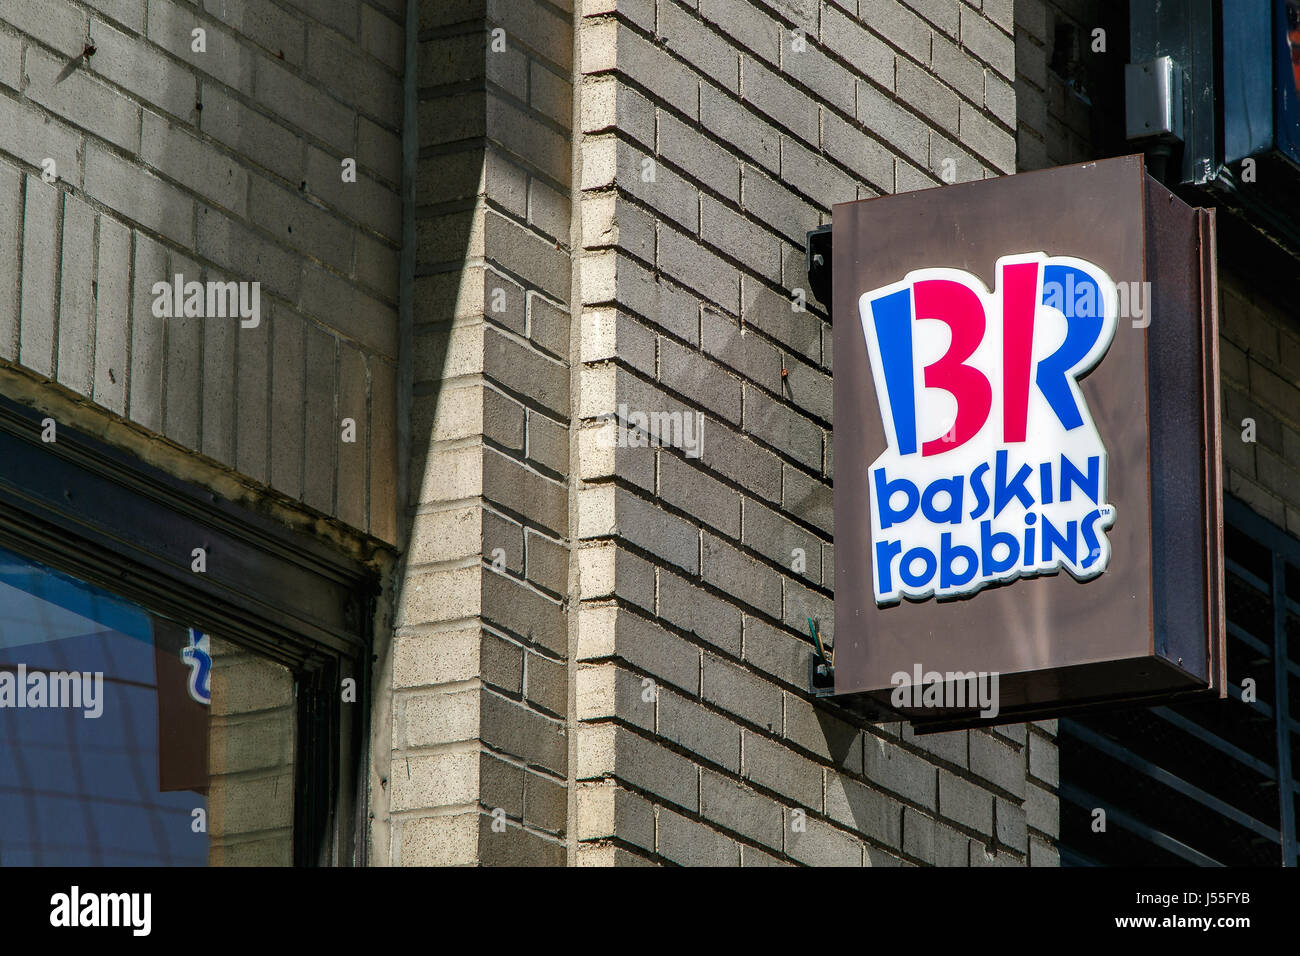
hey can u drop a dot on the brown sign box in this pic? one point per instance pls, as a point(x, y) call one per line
point(1151, 626)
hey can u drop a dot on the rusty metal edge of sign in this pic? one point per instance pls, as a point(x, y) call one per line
point(869, 704)
point(1216, 614)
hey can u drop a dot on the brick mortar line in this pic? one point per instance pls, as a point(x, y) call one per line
point(1275, 367)
point(192, 252)
point(746, 328)
point(518, 518)
point(737, 430)
point(778, 69)
point(558, 14)
point(300, 72)
point(897, 51)
point(815, 42)
point(529, 828)
point(785, 351)
point(525, 223)
point(435, 812)
point(731, 485)
point(782, 399)
point(300, 348)
point(693, 637)
point(442, 688)
point(525, 703)
point(655, 328)
point(526, 165)
point(528, 585)
point(653, 325)
point(695, 696)
point(425, 388)
point(200, 75)
point(172, 247)
point(493, 88)
point(229, 840)
point(367, 451)
point(777, 13)
point(253, 716)
point(618, 843)
point(770, 122)
point(659, 800)
point(466, 504)
point(669, 508)
point(471, 145)
point(301, 16)
point(799, 521)
point(742, 723)
point(535, 466)
point(128, 378)
point(447, 207)
point(457, 28)
point(203, 374)
point(694, 640)
point(498, 264)
point(93, 317)
point(336, 383)
point(496, 260)
point(699, 761)
point(434, 567)
point(525, 400)
point(455, 625)
point(865, 731)
point(442, 267)
point(453, 88)
point(621, 192)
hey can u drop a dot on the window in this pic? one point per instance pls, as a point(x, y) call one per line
point(152, 713)
point(1212, 782)
point(130, 739)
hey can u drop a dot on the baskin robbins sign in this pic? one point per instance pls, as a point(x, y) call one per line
point(1026, 441)
point(1012, 481)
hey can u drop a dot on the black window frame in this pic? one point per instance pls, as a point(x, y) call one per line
point(94, 511)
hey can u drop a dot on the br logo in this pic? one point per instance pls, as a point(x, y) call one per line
point(994, 469)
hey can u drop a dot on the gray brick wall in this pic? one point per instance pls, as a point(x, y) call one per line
point(1054, 119)
point(250, 760)
point(220, 165)
point(696, 739)
point(599, 653)
point(476, 767)
point(1259, 354)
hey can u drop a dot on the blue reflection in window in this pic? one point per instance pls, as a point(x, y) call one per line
point(83, 790)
